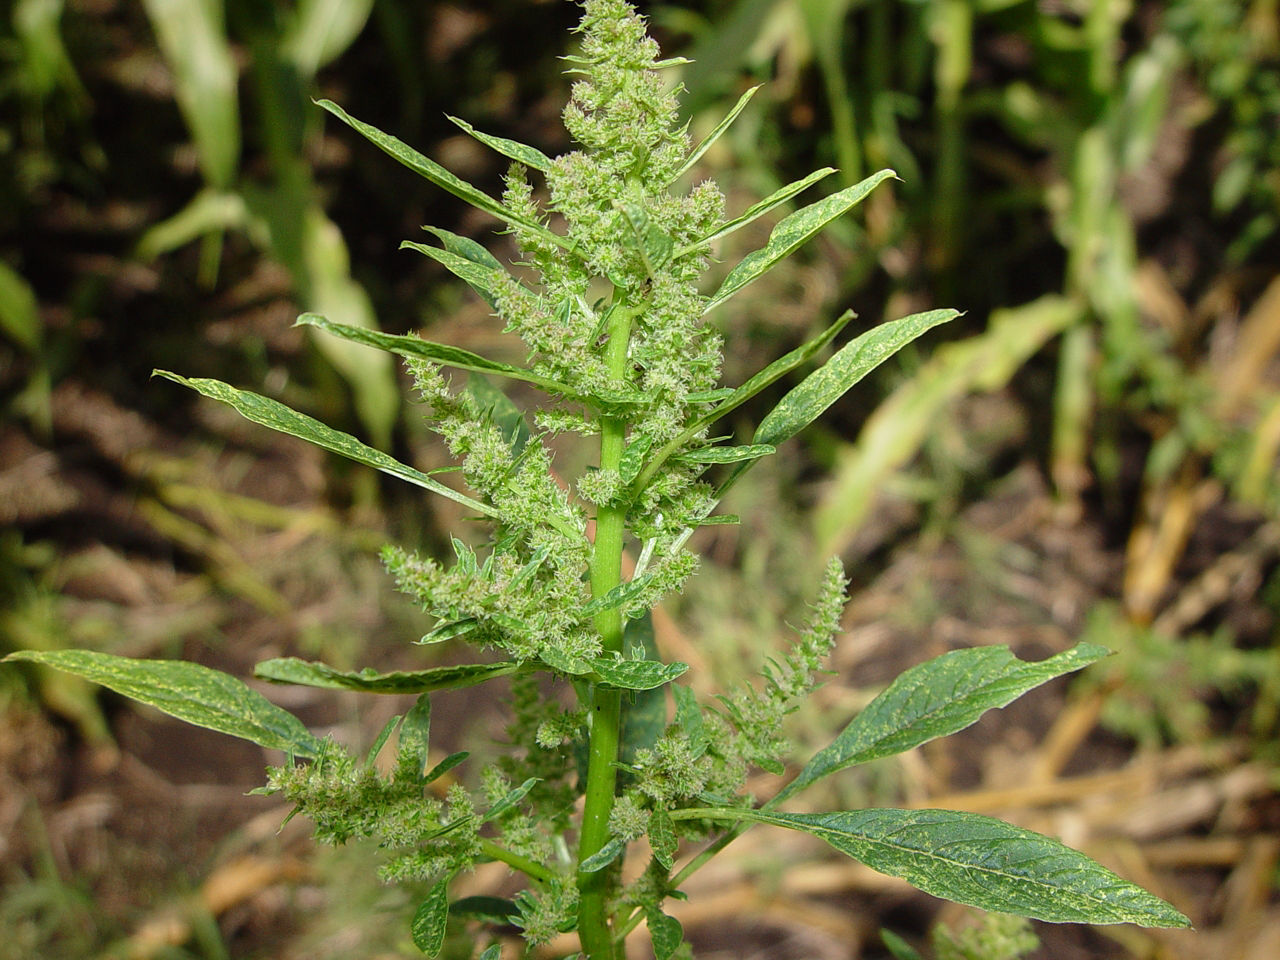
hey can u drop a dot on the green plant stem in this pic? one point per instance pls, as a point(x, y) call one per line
point(530, 868)
point(606, 704)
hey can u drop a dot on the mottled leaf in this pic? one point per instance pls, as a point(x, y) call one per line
point(979, 861)
point(494, 950)
point(604, 856)
point(727, 454)
point(636, 674)
point(430, 920)
point(820, 389)
point(791, 233)
point(757, 210)
point(274, 414)
point(314, 674)
point(434, 172)
point(415, 733)
point(503, 412)
point(644, 712)
point(715, 134)
point(447, 631)
point(508, 802)
point(188, 691)
point(665, 933)
point(512, 149)
point(662, 838)
point(938, 698)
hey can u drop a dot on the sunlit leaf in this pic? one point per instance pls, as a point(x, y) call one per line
point(512, 149)
point(274, 414)
point(430, 920)
point(715, 134)
point(191, 692)
point(759, 209)
point(636, 674)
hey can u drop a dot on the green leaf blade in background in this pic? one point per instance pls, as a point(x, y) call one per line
point(191, 692)
point(980, 861)
point(309, 673)
point(277, 416)
point(791, 232)
point(935, 699)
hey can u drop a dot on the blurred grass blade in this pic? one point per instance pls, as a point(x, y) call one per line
point(321, 30)
point(273, 414)
point(792, 232)
point(978, 861)
point(192, 37)
point(757, 210)
point(715, 134)
point(437, 174)
point(935, 699)
point(19, 315)
point(210, 211)
point(512, 149)
point(190, 692)
point(314, 674)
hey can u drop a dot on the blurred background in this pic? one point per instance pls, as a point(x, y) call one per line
point(1089, 453)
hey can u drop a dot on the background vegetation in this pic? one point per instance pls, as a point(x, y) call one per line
point(1091, 453)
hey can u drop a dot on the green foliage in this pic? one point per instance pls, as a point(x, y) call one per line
point(610, 305)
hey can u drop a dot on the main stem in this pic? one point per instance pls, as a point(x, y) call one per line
point(606, 703)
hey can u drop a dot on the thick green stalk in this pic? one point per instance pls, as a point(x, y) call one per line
point(606, 704)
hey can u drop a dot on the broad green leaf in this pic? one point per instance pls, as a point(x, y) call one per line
point(820, 389)
point(490, 909)
point(938, 698)
point(644, 236)
point(604, 856)
point(508, 802)
point(416, 347)
point(512, 149)
point(664, 931)
point(760, 381)
point(636, 674)
point(757, 210)
point(727, 454)
point(558, 660)
point(430, 920)
point(381, 740)
point(273, 414)
point(190, 692)
point(447, 631)
point(435, 173)
point(314, 674)
point(715, 134)
point(444, 766)
point(644, 712)
point(415, 732)
point(978, 861)
point(662, 838)
point(618, 596)
point(479, 276)
point(467, 248)
point(320, 30)
point(791, 232)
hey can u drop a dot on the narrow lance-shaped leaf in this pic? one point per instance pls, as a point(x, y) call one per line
point(759, 381)
point(470, 250)
point(314, 674)
point(727, 454)
point(508, 802)
point(935, 699)
point(480, 276)
point(435, 173)
point(191, 692)
point(415, 733)
point(715, 134)
point(976, 860)
point(512, 149)
point(791, 232)
point(430, 920)
point(759, 209)
point(274, 414)
point(442, 353)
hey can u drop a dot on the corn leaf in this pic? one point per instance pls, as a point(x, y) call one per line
point(191, 692)
point(274, 414)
